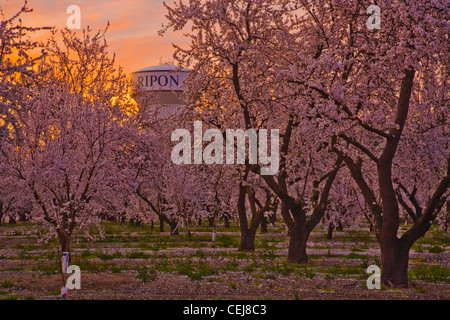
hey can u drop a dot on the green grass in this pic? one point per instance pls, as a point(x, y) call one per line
point(14, 297)
point(430, 273)
point(196, 271)
point(146, 260)
point(47, 269)
point(417, 247)
point(436, 249)
point(116, 269)
point(55, 292)
point(233, 286)
point(344, 270)
point(6, 284)
point(137, 255)
point(356, 256)
point(354, 236)
point(283, 268)
point(305, 272)
point(435, 237)
point(97, 267)
point(145, 274)
point(226, 241)
point(251, 267)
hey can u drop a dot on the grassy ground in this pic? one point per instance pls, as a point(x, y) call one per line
point(139, 263)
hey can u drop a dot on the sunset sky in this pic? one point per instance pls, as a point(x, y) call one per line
point(133, 34)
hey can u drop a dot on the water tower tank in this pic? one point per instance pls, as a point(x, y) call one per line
point(157, 89)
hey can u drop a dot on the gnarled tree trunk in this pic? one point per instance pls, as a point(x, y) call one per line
point(394, 262)
point(298, 238)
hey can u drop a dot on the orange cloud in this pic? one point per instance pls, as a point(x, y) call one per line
point(134, 25)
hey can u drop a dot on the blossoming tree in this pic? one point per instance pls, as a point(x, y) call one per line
point(384, 95)
point(240, 81)
point(64, 137)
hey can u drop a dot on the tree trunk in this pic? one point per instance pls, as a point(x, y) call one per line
point(298, 237)
point(264, 225)
point(330, 231)
point(1, 212)
point(394, 253)
point(447, 211)
point(394, 262)
point(161, 224)
point(226, 222)
point(11, 219)
point(273, 217)
point(247, 234)
point(247, 240)
point(189, 231)
point(23, 216)
point(65, 244)
point(174, 228)
point(447, 217)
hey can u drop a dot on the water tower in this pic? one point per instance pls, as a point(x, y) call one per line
point(157, 89)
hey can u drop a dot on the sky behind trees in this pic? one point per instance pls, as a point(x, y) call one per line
point(133, 34)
